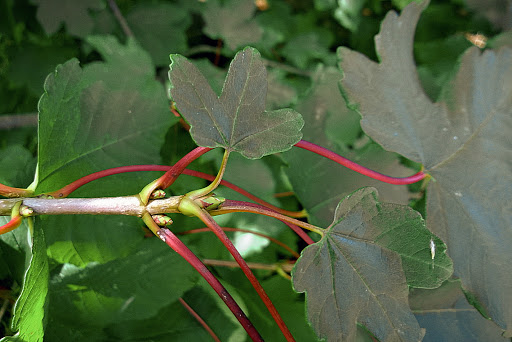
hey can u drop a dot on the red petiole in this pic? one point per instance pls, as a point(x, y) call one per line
point(179, 247)
point(358, 168)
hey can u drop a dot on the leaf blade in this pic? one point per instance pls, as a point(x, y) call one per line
point(350, 278)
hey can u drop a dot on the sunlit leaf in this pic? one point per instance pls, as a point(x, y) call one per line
point(463, 142)
point(236, 120)
point(350, 279)
point(109, 114)
point(131, 288)
point(29, 311)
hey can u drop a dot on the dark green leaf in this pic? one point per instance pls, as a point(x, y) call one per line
point(179, 325)
point(463, 143)
point(15, 251)
point(160, 29)
point(447, 316)
point(17, 166)
point(74, 14)
point(237, 120)
point(498, 12)
point(42, 61)
point(231, 22)
point(350, 279)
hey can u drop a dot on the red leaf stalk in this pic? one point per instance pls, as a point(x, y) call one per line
point(358, 168)
point(210, 222)
point(179, 247)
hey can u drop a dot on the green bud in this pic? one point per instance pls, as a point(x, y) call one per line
point(157, 194)
point(162, 220)
point(211, 202)
point(26, 211)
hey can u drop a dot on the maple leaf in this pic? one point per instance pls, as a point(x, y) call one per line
point(463, 142)
point(236, 120)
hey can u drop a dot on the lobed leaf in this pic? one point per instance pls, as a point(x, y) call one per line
point(350, 279)
point(236, 120)
point(463, 142)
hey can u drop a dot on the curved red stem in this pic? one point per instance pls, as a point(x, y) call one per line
point(11, 225)
point(358, 168)
point(172, 241)
point(204, 216)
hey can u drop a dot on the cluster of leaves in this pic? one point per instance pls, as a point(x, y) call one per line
point(98, 278)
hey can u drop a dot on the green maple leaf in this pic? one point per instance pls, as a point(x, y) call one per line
point(463, 142)
point(353, 275)
point(237, 120)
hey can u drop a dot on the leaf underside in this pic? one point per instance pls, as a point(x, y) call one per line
point(463, 142)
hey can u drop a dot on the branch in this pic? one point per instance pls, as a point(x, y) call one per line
point(126, 205)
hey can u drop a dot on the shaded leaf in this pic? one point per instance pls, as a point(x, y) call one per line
point(73, 14)
point(160, 29)
point(498, 12)
point(17, 166)
point(15, 251)
point(42, 61)
point(179, 325)
point(306, 48)
point(350, 279)
point(463, 142)
point(236, 120)
point(231, 22)
point(446, 315)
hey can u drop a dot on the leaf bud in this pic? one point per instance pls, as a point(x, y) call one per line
point(26, 211)
point(157, 194)
point(162, 220)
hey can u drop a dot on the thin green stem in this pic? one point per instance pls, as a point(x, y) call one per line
point(172, 174)
point(213, 185)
